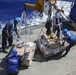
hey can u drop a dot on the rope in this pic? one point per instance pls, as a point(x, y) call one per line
point(60, 32)
point(23, 18)
point(42, 28)
point(21, 24)
point(41, 31)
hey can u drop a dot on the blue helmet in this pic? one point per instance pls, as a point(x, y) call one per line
point(18, 19)
point(64, 31)
point(14, 52)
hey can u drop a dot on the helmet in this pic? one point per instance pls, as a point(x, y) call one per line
point(14, 52)
point(64, 31)
point(18, 19)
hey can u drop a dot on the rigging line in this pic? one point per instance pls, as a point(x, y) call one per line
point(41, 30)
point(20, 24)
point(24, 18)
point(27, 34)
point(53, 18)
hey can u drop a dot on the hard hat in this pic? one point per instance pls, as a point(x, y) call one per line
point(64, 31)
point(14, 52)
point(18, 19)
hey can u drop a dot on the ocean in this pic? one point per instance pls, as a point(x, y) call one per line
point(9, 9)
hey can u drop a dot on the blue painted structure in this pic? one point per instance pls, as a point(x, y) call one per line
point(73, 12)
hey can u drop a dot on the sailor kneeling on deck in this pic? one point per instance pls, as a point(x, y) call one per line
point(13, 63)
point(7, 31)
point(69, 37)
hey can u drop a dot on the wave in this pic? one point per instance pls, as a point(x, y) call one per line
point(34, 17)
point(9, 9)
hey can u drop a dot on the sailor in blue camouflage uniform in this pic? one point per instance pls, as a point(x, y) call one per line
point(69, 38)
point(13, 63)
point(7, 31)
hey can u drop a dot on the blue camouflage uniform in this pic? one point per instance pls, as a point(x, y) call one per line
point(13, 63)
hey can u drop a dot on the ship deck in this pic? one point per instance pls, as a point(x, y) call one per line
point(57, 65)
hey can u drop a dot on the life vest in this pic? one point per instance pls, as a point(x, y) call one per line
point(13, 64)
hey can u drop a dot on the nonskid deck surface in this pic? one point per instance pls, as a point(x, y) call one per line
point(56, 65)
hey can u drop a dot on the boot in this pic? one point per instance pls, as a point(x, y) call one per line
point(11, 45)
point(4, 51)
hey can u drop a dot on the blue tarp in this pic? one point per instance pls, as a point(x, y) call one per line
point(73, 12)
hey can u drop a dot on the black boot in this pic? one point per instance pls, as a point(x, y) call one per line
point(4, 51)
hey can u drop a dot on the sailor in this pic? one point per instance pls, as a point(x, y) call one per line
point(57, 24)
point(48, 27)
point(13, 63)
point(7, 31)
point(69, 37)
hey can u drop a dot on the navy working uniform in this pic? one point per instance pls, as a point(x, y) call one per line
point(7, 31)
point(57, 24)
point(13, 63)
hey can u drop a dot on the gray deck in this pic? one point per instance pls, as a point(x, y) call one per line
point(56, 65)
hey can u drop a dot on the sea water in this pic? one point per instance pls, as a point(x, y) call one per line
point(9, 9)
